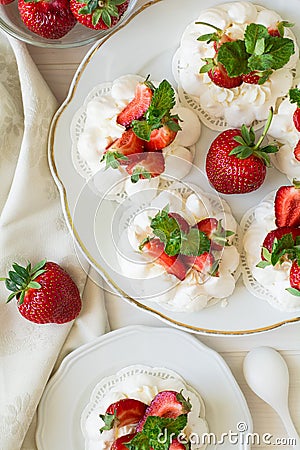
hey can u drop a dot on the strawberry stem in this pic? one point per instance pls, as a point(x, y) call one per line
point(209, 25)
point(265, 130)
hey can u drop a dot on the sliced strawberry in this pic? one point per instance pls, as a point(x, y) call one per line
point(202, 263)
point(220, 77)
point(142, 164)
point(251, 78)
point(183, 224)
point(166, 404)
point(278, 233)
point(214, 231)
point(172, 264)
point(127, 411)
point(176, 445)
point(137, 107)
point(119, 444)
point(296, 118)
point(297, 151)
point(127, 144)
point(160, 138)
point(287, 206)
point(295, 276)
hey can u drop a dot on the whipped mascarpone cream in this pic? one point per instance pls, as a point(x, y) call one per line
point(196, 291)
point(284, 131)
point(101, 128)
point(274, 280)
point(143, 387)
point(247, 102)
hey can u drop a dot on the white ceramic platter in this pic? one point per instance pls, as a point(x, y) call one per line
point(146, 45)
point(69, 390)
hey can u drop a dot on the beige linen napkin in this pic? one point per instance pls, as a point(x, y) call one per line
point(32, 227)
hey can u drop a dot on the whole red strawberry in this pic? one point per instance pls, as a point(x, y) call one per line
point(46, 293)
point(235, 164)
point(51, 19)
point(98, 15)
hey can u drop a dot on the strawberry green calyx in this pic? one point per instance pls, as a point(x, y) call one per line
point(210, 37)
point(282, 25)
point(21, 279)
point(109, 421)
point(248, 147)
point(101, 9)
point(296, 183)
point(187, 406)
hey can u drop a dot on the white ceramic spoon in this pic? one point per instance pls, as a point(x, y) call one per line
point(267, 375)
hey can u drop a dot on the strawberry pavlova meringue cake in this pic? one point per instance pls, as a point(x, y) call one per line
point(182, 246)
point(232, 56)
point(271, 264)
point(132, 132)
point(140, 406)
point(285, 128)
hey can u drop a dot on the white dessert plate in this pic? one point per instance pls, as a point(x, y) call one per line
point(146, 45)
point(69, 391)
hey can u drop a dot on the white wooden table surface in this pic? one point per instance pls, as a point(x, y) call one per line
point(58, 68)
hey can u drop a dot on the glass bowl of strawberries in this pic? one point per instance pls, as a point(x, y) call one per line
point(62, 23)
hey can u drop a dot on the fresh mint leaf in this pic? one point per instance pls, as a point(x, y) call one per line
point(162, 430)
point(142, 129)
point(277, 53)
point(194, 243)
point(255, 35)
point(139, 442)
point(158, 433)
point(162, 102)
point(166, 228)
point(294, 96)
point(158, 113)
point(233, 56)
point(260, 62)
point(281, 50)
